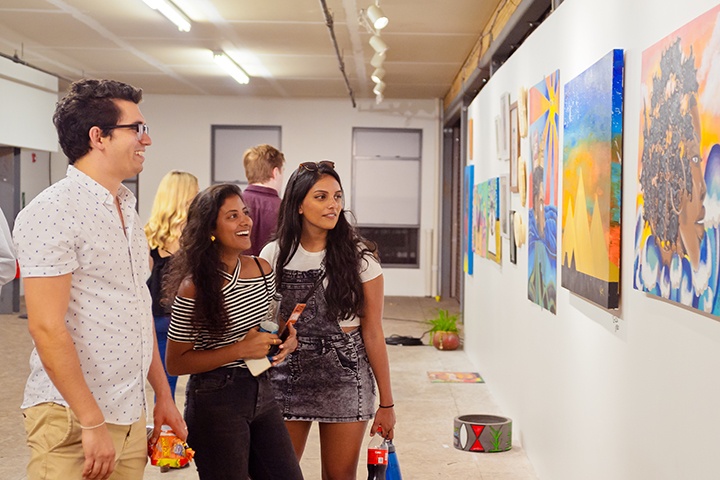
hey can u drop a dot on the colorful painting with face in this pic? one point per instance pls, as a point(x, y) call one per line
point(678, 203)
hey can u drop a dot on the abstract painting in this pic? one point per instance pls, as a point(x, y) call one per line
point(544, 133)
point(492, 216)
point(486, 209)
point(467, 219)
point(677, 242)
point(592, 176)
point(479, 221)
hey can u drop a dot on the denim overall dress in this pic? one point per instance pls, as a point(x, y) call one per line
point(328, 377)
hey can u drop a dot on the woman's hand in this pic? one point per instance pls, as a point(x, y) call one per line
point(256, 344)
point(385, 421)
point(288, 346)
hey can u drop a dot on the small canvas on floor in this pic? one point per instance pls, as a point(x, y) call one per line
point(455, 377)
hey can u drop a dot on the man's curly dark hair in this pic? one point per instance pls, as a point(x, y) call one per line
point(89, 103)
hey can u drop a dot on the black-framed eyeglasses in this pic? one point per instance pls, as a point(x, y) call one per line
point(140, 128)
point(315, 166)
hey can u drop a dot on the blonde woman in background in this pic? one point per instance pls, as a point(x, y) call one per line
point(167, 219)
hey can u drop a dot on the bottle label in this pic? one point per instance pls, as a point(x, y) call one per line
point(377, 456)
point(297, 311)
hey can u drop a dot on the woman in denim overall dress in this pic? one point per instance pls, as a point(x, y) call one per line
point(321, 262)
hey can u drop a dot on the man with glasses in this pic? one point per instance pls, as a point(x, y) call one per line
point(84, 259)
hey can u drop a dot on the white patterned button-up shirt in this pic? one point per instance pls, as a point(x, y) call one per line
point(74, 227)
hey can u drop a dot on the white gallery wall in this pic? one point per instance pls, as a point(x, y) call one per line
point(629, 394)
point(312, 130)
point(28, 99)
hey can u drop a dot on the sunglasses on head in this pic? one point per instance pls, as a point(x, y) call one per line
point(315, 166)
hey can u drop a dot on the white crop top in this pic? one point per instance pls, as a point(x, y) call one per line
point(303, 261)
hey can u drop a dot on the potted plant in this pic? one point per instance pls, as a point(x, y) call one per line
point(444, 330)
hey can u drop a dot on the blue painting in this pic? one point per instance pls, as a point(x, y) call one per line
point(467, 228)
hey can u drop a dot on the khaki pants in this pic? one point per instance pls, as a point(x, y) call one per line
point(55, 440)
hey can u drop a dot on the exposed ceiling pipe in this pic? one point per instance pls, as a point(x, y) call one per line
point(19, 60)
point(341, 63)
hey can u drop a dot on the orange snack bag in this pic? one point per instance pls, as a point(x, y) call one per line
point(169, 451)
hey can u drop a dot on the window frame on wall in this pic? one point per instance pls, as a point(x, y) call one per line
point(246, 136)
point(396, 230)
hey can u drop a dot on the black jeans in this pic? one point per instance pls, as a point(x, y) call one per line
point(236, 429)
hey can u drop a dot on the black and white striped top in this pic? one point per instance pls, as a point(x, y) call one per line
point(246, 301)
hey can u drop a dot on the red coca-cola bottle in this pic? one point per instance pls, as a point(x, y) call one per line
point(377, 457)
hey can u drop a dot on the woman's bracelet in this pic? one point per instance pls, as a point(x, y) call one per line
point(94, 426)
point(386, 406)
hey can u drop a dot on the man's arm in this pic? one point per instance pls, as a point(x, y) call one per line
point(165, 411)
point(47, 300)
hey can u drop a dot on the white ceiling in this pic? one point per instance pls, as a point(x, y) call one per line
point(284, 45)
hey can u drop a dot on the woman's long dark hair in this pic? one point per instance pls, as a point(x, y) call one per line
point(199, 260)
point(343, 259)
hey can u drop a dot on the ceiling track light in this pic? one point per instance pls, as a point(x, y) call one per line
point(377, 60)
point(374, 20)
point(377, 75)
point(376, 17)
point(378, 44)
point(379, 88)
point(171, 12)
point(231, 68)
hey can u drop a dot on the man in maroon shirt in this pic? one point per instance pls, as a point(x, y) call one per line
point(264, 165)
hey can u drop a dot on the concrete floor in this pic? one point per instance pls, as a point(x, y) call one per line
point(425, 410)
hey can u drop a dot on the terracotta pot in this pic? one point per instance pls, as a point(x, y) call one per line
point(446, 340)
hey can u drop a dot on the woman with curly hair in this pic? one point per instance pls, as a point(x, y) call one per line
point(221, 296)
point(167, 219)
point(330, 274)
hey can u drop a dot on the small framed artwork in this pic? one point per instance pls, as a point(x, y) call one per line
point(513, 244)
point(504, 206)
point(523, 112)
point(498, 136)
point(504, 151)
point(514, 148)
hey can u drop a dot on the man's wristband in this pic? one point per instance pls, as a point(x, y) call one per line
point(386, 406)
point(94, 426)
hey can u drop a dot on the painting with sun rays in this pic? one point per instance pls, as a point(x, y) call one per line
point(592, 174)
point(677, 242)
point(544, 112)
